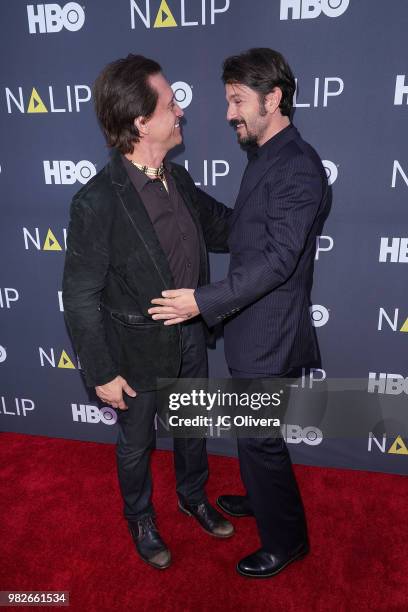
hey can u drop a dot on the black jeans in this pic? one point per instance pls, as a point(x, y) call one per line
point(137, 438)
point(272, 490)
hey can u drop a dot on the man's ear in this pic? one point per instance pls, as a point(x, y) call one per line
point(142, 125)
point(273, 99)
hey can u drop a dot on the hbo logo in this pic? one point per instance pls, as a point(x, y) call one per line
point(49, 18)
point(319, 315)
point(390, 384)
point(294, 434)
point(331, 171)
point(183, 93)
point(310, 9)
point(92, 414)
point(66, 172)
point(3, 354)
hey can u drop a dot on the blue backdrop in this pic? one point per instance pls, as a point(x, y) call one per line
point(350, 60)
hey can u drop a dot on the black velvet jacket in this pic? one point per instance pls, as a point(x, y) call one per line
point(115, 265)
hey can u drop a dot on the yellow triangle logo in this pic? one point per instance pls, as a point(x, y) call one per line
point(65, 362)
point(164, 17)
point(51, 243)
point(398, 447)
point(36, 105)
point(404, 328)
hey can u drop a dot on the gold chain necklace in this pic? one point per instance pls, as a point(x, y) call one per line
point(155, 173)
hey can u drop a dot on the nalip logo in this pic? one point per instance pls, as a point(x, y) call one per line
point(398, 170)
point(396, 447)
point(49, 358)
point(323, 245)
point(175, 13)
point(36, 238)
point(393, 320)
point(66, 99)
point(323, 89)
point(8, 295)
point(21, 406)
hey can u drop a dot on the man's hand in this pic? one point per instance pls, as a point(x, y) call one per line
point(112, 392)
point(176, 306)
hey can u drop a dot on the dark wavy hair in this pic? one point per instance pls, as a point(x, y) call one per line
point(122, 93)
point(262, 70)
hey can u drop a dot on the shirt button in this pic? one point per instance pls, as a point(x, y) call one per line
point(184, 236)
point(189, 264)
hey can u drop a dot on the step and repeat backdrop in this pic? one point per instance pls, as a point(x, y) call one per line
point(349, 57)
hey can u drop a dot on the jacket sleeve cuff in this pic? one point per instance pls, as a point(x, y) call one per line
point(99, 380)
point(213, 303)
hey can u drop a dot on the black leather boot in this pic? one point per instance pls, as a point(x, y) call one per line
point(264, 564)
point(148, 542)
point(235, 505)
point(209, 519)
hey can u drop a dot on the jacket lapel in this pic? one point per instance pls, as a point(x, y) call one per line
point(252, 176)
point(255, 172)
point(139, 219)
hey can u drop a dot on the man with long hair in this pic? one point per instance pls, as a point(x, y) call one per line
point(140, 226)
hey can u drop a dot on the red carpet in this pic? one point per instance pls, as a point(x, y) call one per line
point(61, 529)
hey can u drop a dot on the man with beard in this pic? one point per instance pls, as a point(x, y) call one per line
point(266, 296)
point(140, 225)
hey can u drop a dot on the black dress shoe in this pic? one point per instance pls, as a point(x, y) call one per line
point(209, 519)
point(148, 542)
point(263, 564)
point(235, 505)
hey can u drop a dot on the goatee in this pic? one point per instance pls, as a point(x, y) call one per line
point(247, 142)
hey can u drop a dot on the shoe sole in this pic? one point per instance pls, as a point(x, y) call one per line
point(231, 513)
point(160, 567)
point(215, 535)
point(296, 558)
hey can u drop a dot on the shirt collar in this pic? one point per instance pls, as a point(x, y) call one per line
point(271, 145)
point(138, 177)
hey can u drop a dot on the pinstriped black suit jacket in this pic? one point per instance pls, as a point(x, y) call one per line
point(265, 298)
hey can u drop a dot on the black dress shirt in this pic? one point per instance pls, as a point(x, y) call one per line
point(172, 222)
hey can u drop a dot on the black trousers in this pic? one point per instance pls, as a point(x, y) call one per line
point(137, 438)
point(272, 490)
